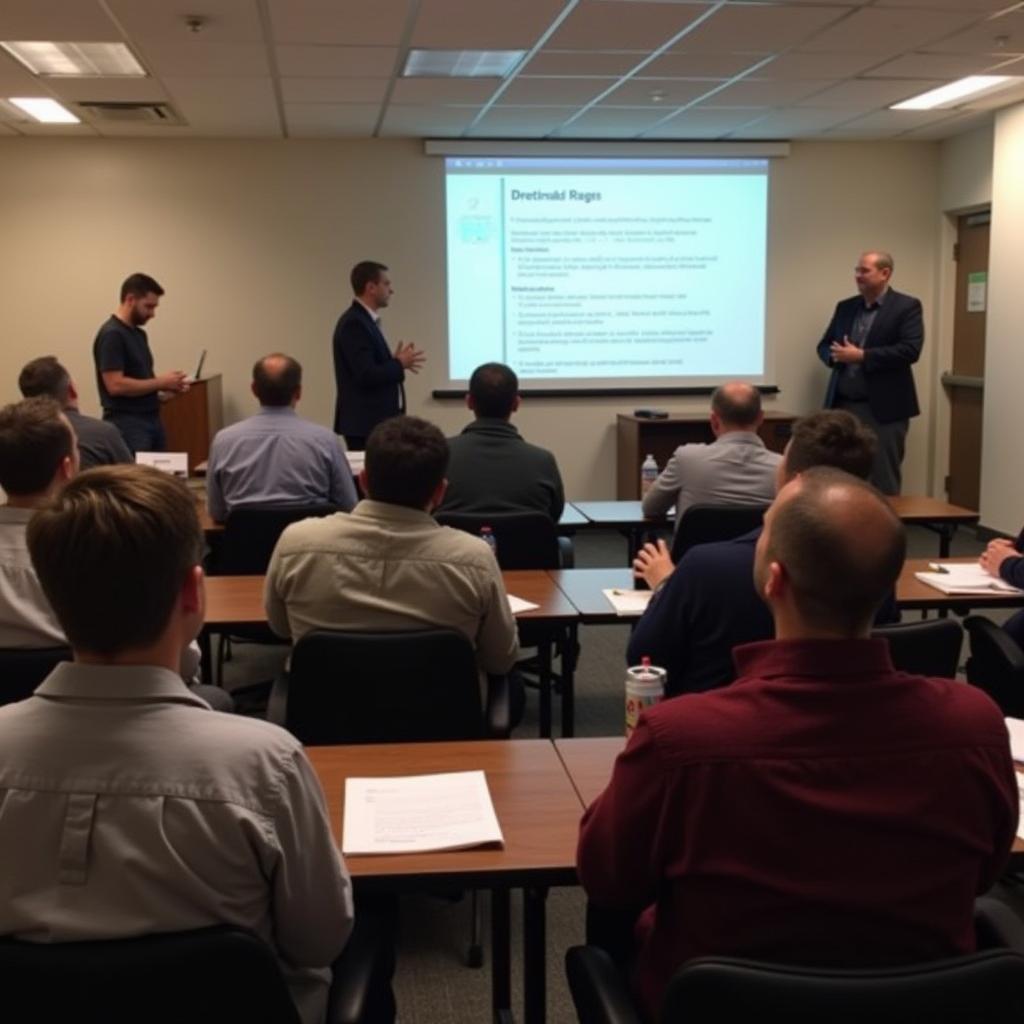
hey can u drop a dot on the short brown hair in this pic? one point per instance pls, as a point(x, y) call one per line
point(276, 388)
point(365, 273)
point(139, 285)
point(831, 437)
point(838, 580)
point(406, 458)
point(112, 552)
point(737, 405)
point(493, 388)
point(45, 376)
point(34, 439)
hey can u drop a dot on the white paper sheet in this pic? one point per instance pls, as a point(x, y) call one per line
point(1020, 805)
point(168, 462)
point(628, 602)
point(517, 604)
point(967, 578)
point(418, 813)
point(1015, 726)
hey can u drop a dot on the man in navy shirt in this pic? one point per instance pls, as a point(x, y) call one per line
point(128, 386)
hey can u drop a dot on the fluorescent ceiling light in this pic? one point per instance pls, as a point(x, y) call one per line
point(44, 109)
point(461, 63)
point(948, 95)
point(77, 60)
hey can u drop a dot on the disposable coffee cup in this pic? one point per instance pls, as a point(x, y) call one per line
point(645, 686)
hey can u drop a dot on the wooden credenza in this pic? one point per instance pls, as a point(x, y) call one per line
point(191, 419)
point(636, 437)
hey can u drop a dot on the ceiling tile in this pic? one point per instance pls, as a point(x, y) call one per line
point(638, 92)
point(482, 24)
point(886, 31)
point(869, 93)
point(704, 122)
point(58, 20)
point(522, 122)
point(933, 65)
point(318, 120)
point(831, 66)
point(759, 28)
point(998, 36)
point(583, 63)
point(109, 90)
point(554, 91)
point(206, 59)
point(423, 121)
point(236, 107)
point(978, 6)
point(756, 91)
point(643, 25)
point(34, 128)
point(156, 22)
point(474, 91)
point(333, 90)
point(4, 130)
point(16, 80)
point(794, 122)
point(886, 123)
point(338, 22)
point(700, 65)
point(336, 61)
point(954, 125)
point(615, 122)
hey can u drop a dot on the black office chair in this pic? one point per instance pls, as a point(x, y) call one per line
point(244, 549)
point(705, 524)
point(996, 664)
point(23, 669)
point(930, 647)
point(216, 975)
point(530, 540)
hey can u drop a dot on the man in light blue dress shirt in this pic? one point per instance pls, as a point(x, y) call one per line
point(276, 457)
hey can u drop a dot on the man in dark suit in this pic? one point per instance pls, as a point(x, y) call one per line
point(871, 343)
point(368, 377)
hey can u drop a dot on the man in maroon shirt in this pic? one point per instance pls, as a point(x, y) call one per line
point(824, 808)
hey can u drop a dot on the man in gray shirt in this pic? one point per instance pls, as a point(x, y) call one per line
point(99, 443)
point(276, 457)
point(736, 469)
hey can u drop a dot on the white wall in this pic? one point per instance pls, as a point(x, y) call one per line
point(253, 241)
point(1002, 482)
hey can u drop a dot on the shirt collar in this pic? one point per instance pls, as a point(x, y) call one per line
point(74, 681)
point(15, 516)
point(392, 513)
point(490, 424)
point(374, 315)
point(818, 659)
point(879, 302)
point(739, 437)
point(277, 410)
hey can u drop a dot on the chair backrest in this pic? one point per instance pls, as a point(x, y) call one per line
point(23, 669)
point(524, 540)
point(250, 534)
point(981, 988)
point(930, 647)
point(216, 974)
point(996, 664)
point(383, 688)
point(705, 524)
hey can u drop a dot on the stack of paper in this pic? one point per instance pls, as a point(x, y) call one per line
point(517, 604)
point(628, 602)
point(970, 578)
point(419, 813)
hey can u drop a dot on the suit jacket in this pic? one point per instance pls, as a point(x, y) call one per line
point(368, 377)
point(893, 344)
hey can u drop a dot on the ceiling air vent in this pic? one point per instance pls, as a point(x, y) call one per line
point(122, 112)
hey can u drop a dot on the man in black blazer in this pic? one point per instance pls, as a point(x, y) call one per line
point(871, 343)
point(368, 377)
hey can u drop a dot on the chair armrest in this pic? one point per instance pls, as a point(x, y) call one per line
point(997, 924)
point(566, 553)
point(599, 991)
point(277, 702)
point(361, 977)
point(498, 723)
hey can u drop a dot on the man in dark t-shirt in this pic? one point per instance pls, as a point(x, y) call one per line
point(129, 389)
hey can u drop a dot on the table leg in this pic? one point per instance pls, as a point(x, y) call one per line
point(544, 660)
point(945, 538)
point(569, 682)
point(501, 957)
point(534, 955)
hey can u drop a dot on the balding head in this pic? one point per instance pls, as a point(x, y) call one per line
point(277, 380)
point(831, 550)
point(735, 406)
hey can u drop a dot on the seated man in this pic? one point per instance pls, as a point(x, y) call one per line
point(276, 457)
point(708, 605)
point(388, 565)
point(38, 456)
point(99, 443)
point(492, 469)
point(1002, 558)
point(736, 469)
point(824, 809)
point(146, 811)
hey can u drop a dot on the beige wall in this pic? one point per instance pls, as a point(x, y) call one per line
point(252, 241)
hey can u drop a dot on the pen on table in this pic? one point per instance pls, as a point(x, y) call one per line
point(935, 567)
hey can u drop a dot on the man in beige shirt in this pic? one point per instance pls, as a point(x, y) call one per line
point(127, 806)
point(388, 565)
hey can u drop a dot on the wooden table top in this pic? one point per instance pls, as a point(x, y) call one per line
point(618, 514)
point(536, 805)
point(588, 762)
point(912, 593)
point(583, 588)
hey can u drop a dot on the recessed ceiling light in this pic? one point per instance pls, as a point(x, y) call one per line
point(77, 60)
point(949, 95)
point(461, 63)
point(44, 109)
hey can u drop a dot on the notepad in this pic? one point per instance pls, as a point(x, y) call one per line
point(517, 604)
point(419, 813)
point(628, 602)
point(967, 578)
point(1015, 727)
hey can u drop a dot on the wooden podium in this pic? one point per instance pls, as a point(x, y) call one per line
point(191, 419)
point(637, 436)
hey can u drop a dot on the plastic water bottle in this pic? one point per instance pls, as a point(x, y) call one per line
point(648, 474)
point(487, 536)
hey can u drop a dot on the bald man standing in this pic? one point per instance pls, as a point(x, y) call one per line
point(873, 340)
point(735, 469)
point(823, 809)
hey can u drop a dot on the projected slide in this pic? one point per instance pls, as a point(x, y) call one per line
point(607, 272)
